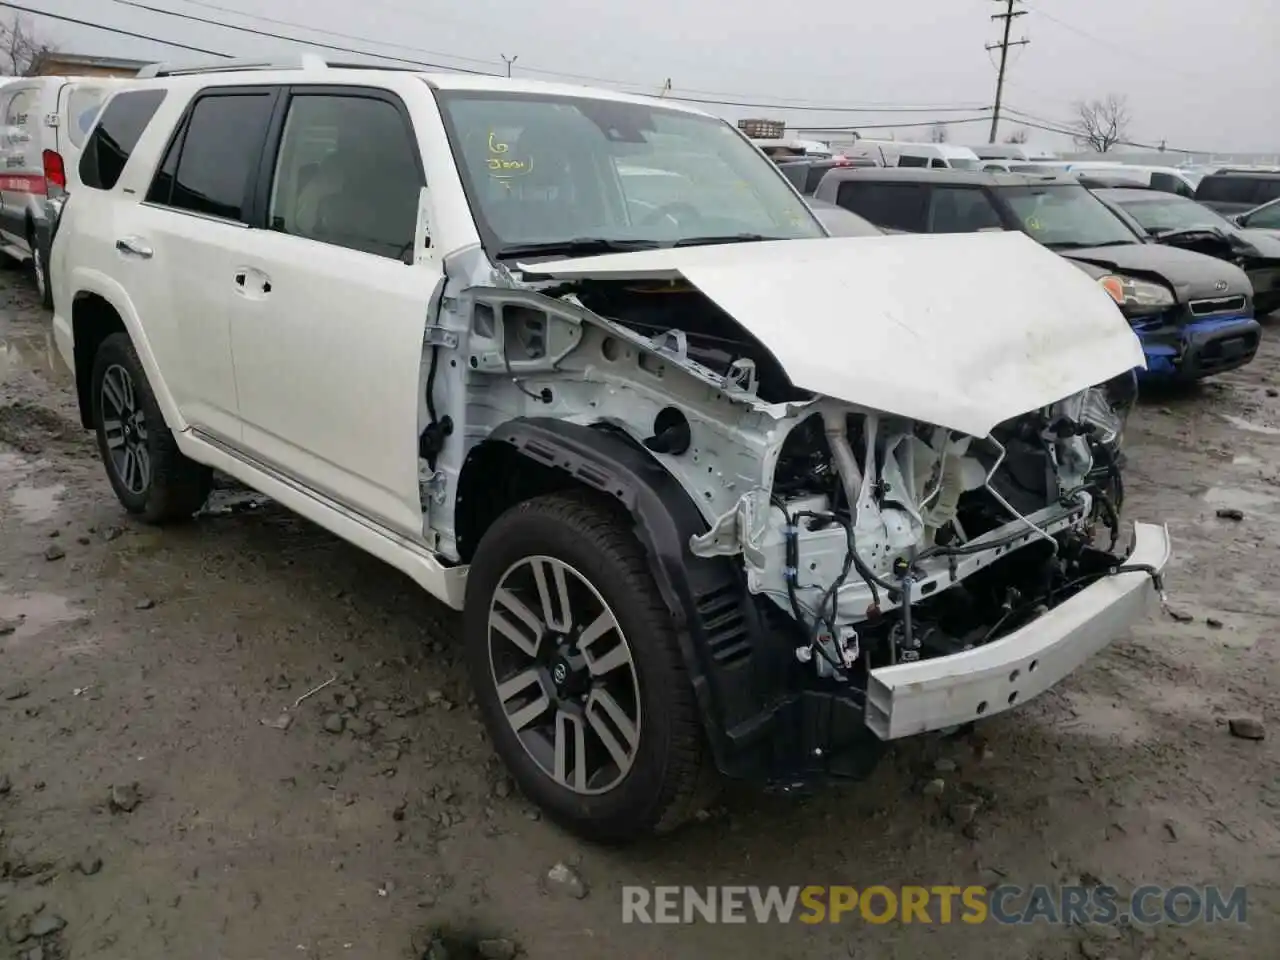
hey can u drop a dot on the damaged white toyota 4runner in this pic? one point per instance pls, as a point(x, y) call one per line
point(715, 491)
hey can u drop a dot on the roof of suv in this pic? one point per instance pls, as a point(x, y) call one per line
point(314, 70)
point(949, 176)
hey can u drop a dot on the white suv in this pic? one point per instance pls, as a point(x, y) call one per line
point(716, 491)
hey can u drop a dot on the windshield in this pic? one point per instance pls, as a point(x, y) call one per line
point(1162, 213)
point(1066, 215)
point(545, 171)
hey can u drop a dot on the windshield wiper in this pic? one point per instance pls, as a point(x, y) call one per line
point(578, 246)
point(1080, 245)
point(1187, 232)
point(725, 238)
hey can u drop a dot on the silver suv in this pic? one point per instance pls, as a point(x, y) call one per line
point(718, 493)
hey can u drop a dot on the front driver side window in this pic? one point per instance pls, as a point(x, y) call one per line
point(347, 174)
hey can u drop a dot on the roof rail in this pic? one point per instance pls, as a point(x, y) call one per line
point(304, 61)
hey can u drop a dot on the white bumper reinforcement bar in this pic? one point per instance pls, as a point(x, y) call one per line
point(911, 698)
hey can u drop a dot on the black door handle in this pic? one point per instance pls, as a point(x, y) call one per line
point(240, 279)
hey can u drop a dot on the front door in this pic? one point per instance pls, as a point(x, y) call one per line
point(328, 310)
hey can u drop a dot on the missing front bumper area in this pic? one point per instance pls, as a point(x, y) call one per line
point(943, 692)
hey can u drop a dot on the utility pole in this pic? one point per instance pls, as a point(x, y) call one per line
point(1004, 45)
point(509, 61)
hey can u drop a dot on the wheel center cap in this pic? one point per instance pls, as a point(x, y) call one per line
point(560, 672)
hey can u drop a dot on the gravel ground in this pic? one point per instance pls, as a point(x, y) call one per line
point(157, 799)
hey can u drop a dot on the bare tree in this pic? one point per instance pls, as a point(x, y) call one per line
point(21, 49)
point(938, 133)
point(1018, 136)
point(1101, 124)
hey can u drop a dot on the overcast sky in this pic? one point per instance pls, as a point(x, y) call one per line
point(1195, 78)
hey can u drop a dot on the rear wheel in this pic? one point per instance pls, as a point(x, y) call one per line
point(149, 474)
point(39, 272)
point(578, 674)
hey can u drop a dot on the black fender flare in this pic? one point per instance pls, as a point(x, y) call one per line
point(738, 674)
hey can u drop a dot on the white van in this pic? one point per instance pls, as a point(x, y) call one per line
point(895, 153)
point(1168, 179)
point(1012, 152)
point(45, 123)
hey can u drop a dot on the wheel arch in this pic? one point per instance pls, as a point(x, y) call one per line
point(731, 662)
point(99, 308)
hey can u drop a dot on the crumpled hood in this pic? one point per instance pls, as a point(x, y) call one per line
point(1191, 276)
point(963, 330)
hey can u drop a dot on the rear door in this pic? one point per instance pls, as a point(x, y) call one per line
point(328, 306)
point(184, 240)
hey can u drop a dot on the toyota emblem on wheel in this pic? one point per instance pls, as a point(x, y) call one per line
point(561, 673)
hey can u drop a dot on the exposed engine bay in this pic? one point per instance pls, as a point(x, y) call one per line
point(877, 538)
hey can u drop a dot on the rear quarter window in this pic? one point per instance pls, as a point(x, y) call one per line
point(112, 142)
point(898, 206)
point(1229, 189)
point(83, 105)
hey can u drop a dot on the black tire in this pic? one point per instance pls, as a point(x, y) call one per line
point(175, 487)
point(39, 271)
point(671, 773)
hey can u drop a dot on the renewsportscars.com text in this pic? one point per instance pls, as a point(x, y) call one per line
point(945, 904)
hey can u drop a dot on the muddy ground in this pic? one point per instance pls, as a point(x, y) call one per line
point(167, 659)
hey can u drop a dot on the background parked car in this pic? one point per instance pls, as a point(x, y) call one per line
point(46, 121)
point(1184, 223)
point(1167, 179)
point(1236, 192)
point(1194, 314)
point(805, 175)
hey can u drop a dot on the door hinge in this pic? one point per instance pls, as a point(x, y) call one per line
point(432, 487)
point(440, 337)
point(51, 120)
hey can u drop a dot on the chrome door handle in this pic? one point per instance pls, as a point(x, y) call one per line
point(134, 247)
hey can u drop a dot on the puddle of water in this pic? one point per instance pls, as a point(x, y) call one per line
point(34, 352)
point(1240, 499)
point(1240, 423)
point(32, 613)
point(1245, 460)
point(37, 504)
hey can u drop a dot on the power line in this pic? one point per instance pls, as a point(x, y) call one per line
point(116, 30)
point(810, 107)
point(1004, 45)
point(890, 126)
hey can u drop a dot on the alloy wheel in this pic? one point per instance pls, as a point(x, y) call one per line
point(565, 674)
point(125, 426)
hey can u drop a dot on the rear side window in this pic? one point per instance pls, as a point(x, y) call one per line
point(109, 146)
point(905, 161)
point(898, 206)
point(209, 163)
point(1228, 189)
point(1267, 190)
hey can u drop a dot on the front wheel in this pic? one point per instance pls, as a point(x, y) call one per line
point(578, 674)
point(149, 474)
